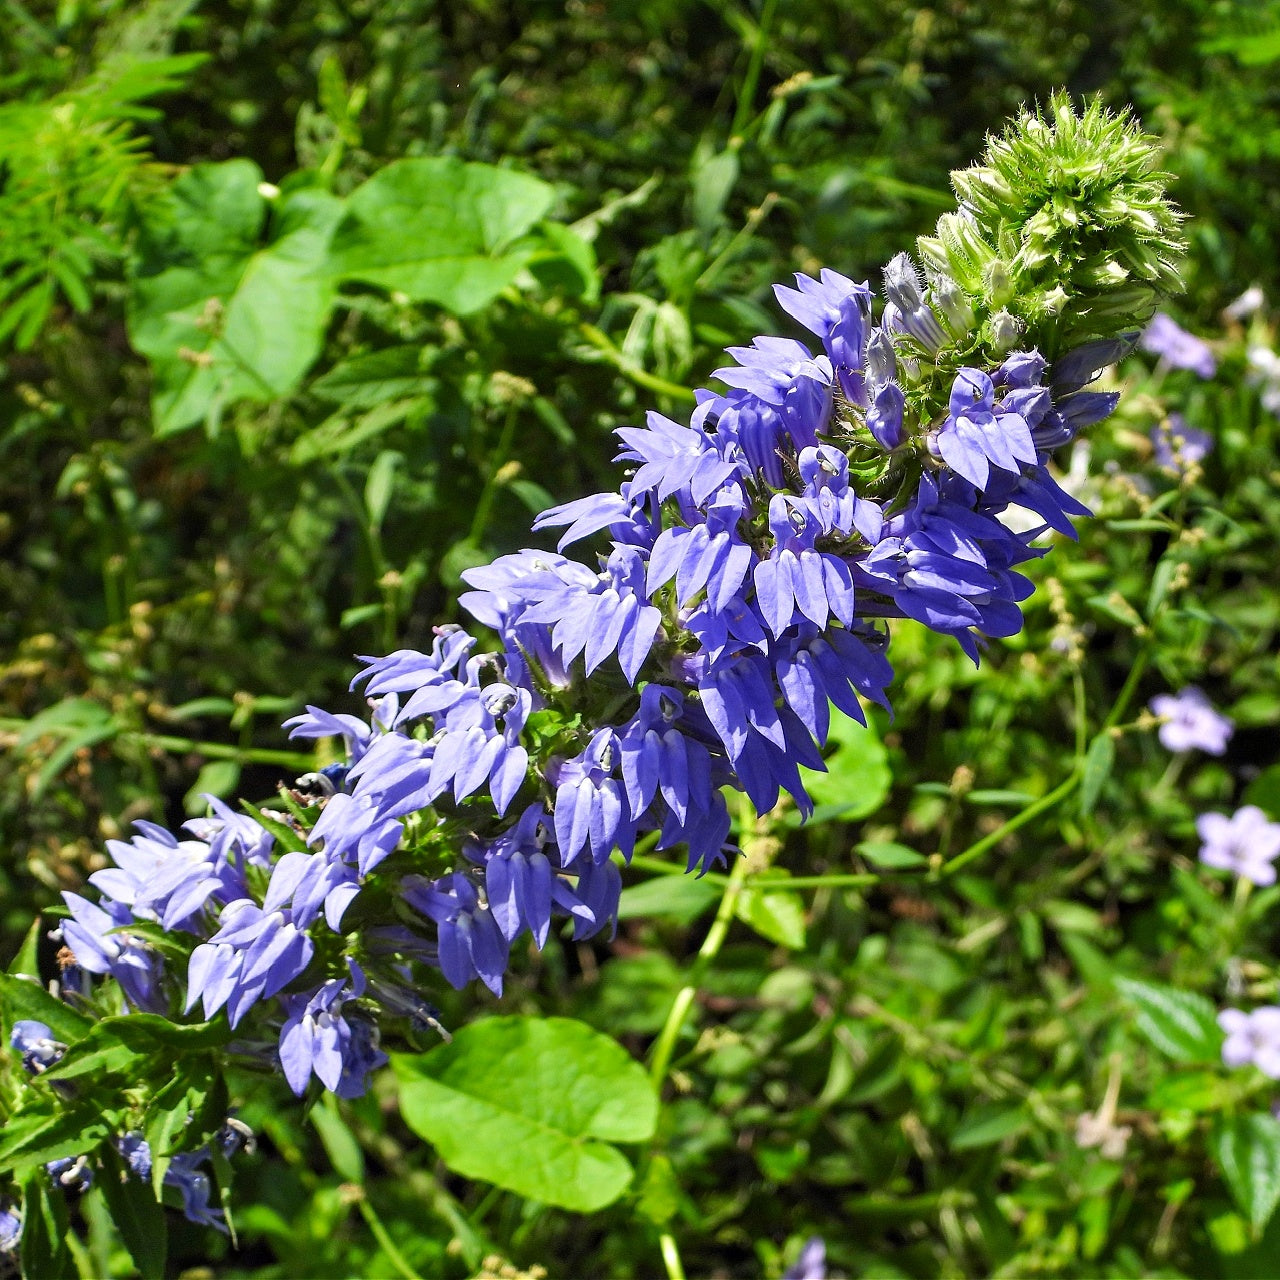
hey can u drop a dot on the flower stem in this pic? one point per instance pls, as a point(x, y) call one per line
point(385, 1242)
point(671, 1256)
point(665, 1044)
point(979, 847)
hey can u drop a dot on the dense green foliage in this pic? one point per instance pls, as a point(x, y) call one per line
point(304, 309)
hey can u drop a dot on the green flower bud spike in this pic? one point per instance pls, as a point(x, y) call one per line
point(1064, 224)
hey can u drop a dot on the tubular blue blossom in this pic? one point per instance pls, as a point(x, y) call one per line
point(976, 437)
point(746, 562)
point(319, 1037)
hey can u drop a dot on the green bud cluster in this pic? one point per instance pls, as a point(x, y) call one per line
point(1064, 231)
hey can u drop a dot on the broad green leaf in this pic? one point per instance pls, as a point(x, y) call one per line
point(681, 897)
point(1248, 1152)
point(857, 778)
point(1179, 1023)
point(222, 311)
point(531, 1105)
point(137, 1215)
point(439, 230)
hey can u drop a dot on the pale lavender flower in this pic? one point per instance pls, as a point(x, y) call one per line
point(812, 1262)
point(1252, 1038)
point(1165, 338)
point(1246, 843)
point(1191, 722)
point(1249, 303)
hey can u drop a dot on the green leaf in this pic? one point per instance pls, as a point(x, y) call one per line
point(857, 778)
point(439, 230)
point(25, 998)
point(223, 313)
point(889, 855)
point(713, 181)
point(531, 1105)
point(379, 484)
point(1264, 791)
point(987, 1125)
point(216, 778)
point(365, 381)
point(1181, 1024)
point(681, 897)
point(339, 1142)
point(776, 916)
point(189, 1104)
point(137, 1215)
point(1098, 763)
point(1248, 1152)
point(43, 1252)
point(26, 963)
point(286, 837)
point(42, 1131)
point(659, 1199)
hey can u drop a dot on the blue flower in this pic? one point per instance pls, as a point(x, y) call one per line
point(10, 1228)
point(90, 934)
point(797, 578)
point(978, 434)
point(471, 945)
point(591, 806)
point(321, 1037)
point(1191, 722)
point(193, 1185)
point(254, 954)
point(34, 1041)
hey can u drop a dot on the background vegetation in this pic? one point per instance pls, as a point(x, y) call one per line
point(384, 362)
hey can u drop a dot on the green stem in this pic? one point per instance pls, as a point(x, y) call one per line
point(385, 1242)
point(484, 505)
point(641, 377)
point(1032, 811)
point(1130, 686)
point(665, 1044)
point(222, 751)
point(671, 1256)
point(750, 82)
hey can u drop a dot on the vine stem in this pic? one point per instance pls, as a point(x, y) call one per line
point(671, 1256)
